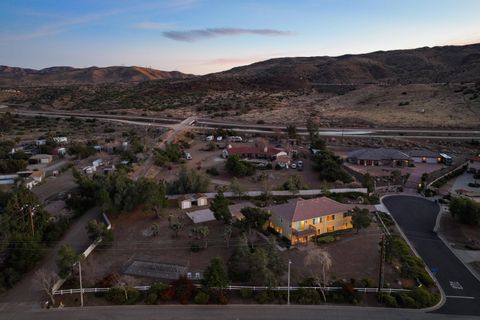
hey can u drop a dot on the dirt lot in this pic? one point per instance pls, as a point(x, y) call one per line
point(132, 244)
point(354, 256)
point(457, 232)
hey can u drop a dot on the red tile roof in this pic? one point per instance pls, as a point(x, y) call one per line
point(300, 209)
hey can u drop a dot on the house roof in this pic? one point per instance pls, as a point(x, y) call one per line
point(423, 153)
point(300, 209)
point(235, 209)
point(268, 151)
point(378, 154)
point(37, 174)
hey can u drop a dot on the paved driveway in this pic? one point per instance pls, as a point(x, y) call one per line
point(416, 217)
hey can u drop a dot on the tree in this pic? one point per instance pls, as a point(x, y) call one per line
point(227, 234)
point(254, 218)
point(319, 263)
point(215, 276)
point(219, 207)
point(176, 225)
point(465, 210)
point(329, 167)
point(201, 233)
point(361, 218)
point(6, 122)
point(67, 256)
point(294, 184)
point(369, 182)
point(153, 194)
point(312, 128)
point(236, 187)
point(98, 230)
point(292, 131)
point(239, 168)
point(46, 281)
point(188, 181)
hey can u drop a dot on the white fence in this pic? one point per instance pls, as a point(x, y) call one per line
point(310, 192)
point(253, 288)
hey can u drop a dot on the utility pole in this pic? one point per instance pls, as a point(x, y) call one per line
point(31, 221)
point(288, 285)
point(81, 284)
point(380, 272)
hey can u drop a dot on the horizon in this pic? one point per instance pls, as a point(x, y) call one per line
point(163, 34)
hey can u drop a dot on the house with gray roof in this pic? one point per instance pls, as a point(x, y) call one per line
point(424, 156)
point(300, 219)
point(379, 157)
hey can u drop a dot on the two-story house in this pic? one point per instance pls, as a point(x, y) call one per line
point(300, 219)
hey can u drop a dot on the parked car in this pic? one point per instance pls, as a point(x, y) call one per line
point(187, 156)
point(209, 138)
point(300, 163)
point(219, 138)
point(235, 139)
point(293, 166)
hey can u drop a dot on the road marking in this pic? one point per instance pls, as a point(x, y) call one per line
point(456, 285)
point(459, 297)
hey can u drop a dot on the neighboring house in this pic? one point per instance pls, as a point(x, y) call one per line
point(299, 219)
point(245, 152)
point(474, 164)
point(379, 157)
point(424, 156)
point(186, 201)
point(41, 158)
point(38, 175)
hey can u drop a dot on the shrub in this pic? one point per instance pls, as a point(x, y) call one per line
point(152, 298)
point(307, 296)
point(390, 301)
point(202, 298)
point(212, 171)
point(184, 290)
point(423, 297)
point(117, 296)
point(326, 239)
point(264, 297)
point(405, 301)
point(246, 293)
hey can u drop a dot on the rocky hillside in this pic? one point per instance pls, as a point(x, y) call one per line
point(12, 76)
point(422, 65)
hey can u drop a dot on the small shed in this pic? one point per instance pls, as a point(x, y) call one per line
point(185, 202)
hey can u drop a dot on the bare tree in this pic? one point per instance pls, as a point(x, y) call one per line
point(319, 263)
point(46, 280)
point(125, 283)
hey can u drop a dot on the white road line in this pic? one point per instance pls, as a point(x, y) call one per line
point(460, 297)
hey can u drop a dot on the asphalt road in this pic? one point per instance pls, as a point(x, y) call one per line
point(207, 124)
point(416, 217)
point(229, 312)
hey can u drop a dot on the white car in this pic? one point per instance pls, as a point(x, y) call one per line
point(188, 156)
point(293, 166)
point(219, 138)
point(300, 163)
point(209, 138)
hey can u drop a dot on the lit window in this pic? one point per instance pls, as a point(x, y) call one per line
point(331, 217)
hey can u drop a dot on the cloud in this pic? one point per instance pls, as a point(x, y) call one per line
point(193, 35)
point(150, 25)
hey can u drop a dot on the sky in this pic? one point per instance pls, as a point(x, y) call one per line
point(203, 36)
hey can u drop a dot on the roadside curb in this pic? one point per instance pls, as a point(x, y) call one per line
point(443, 297)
